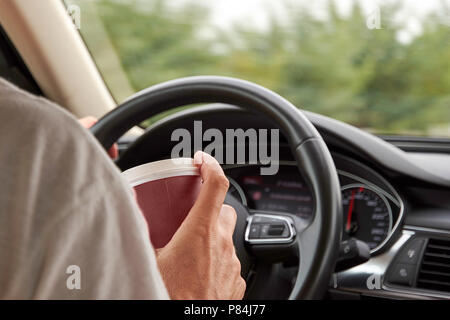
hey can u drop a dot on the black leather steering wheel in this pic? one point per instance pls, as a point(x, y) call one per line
point(317, 242)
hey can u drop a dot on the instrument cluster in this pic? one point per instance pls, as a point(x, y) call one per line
point(372, 209)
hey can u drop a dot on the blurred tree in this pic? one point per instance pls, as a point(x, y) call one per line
point(335, 65)
point(155, 41)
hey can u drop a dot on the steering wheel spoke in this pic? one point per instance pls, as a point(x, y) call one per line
point(271, 237)
point(263, 228)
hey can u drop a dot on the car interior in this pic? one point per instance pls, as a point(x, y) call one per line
point(355, 211)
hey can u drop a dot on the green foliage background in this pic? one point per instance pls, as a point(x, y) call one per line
point(337, 66)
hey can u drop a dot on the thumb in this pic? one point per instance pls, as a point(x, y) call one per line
point(214, 188)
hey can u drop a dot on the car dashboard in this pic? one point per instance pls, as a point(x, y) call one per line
point(372, 208)
point(395, 199)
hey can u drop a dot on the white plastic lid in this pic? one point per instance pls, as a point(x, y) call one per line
point(160, 170)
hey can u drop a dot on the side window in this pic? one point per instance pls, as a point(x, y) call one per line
point(12, 68)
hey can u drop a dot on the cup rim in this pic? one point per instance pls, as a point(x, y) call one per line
point(160, 170)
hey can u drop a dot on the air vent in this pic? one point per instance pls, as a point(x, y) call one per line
point(434, 273)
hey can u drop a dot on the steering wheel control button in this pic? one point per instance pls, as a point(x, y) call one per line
point(403, 274)
point(352, 252)
point(263, 219)
point(265, 230)
point(411, 253)
point(276, 229)
point(269, 229)
point(254, 231)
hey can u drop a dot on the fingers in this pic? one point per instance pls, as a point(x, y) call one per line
point(241, 286)
point(88, 122)
point(113, 152)
point(227, 222)
point(227, 219)
point(214, 187)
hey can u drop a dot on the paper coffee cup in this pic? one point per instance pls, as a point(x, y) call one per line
point(165, 190)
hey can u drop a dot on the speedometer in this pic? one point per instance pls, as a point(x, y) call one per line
point(367, 215)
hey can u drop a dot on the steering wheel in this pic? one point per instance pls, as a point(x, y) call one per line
point(315, 242)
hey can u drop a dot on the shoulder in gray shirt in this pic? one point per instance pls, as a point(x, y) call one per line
point(63, 203)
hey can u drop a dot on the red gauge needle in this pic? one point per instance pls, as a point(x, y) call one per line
point(350, 212)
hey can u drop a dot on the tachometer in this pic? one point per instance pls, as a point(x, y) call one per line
point(367, 215)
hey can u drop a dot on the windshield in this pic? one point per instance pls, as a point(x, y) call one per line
point(382, 66)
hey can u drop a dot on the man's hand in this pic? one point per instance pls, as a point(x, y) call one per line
point(200, 260)
point(88, 122)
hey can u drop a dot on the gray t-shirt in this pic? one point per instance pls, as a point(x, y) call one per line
point(69, 225)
